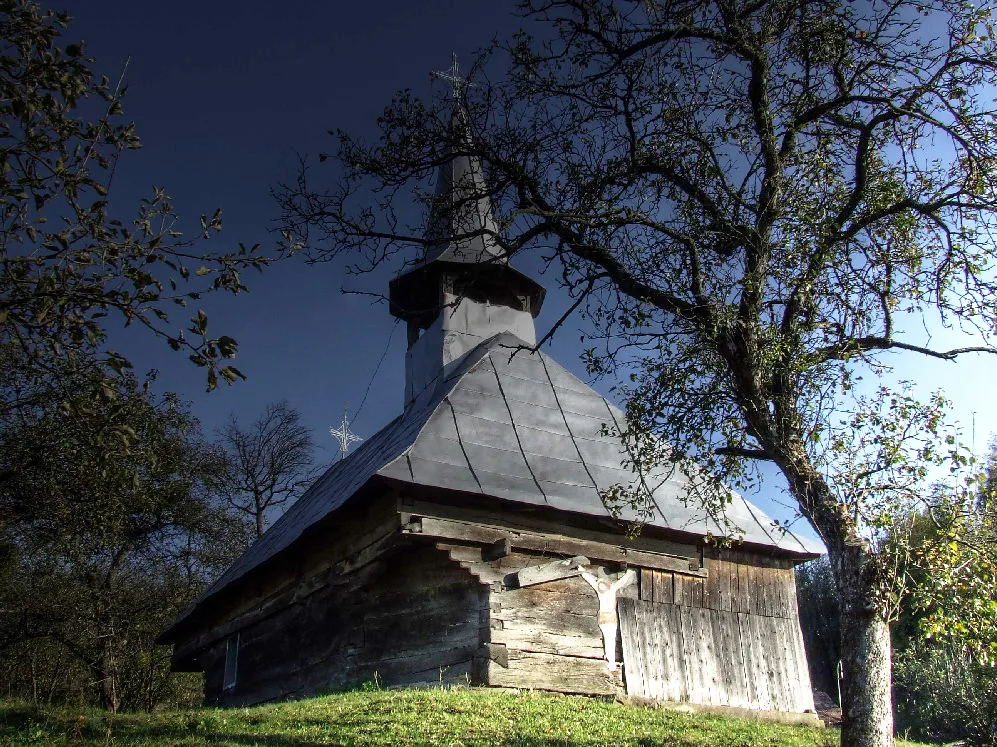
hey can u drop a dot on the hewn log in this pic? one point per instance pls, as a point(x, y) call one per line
point(552, 543)
point(500, 548)
point(565, 674)
point(517, 519)
point(539, 574)
point(541, 640)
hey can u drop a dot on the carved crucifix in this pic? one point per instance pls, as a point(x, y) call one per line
point(608, 620)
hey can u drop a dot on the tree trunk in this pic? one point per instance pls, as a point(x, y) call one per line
point(866, 696)
point(259, 515)
point(867, 706)
point(107, 676)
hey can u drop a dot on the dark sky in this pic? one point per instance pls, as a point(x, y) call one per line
point(224, 95)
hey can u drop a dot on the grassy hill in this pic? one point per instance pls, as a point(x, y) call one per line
point(405, 717)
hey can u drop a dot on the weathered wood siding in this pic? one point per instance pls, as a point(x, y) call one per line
point(544, 637)
point(415, 617)
point(730, 639)
point(411, 591)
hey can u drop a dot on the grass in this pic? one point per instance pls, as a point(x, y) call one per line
point(405, 717)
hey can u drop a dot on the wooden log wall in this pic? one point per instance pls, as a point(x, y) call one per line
point(415, 617)
point(544, 637)
point(730, 639)
point(412, 592)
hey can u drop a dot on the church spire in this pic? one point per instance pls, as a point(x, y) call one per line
point(463, 290)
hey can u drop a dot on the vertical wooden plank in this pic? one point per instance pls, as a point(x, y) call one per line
point(663, 591)
point(738, 686)
point(720, 657)
point(740, 672)
point(646, 591)
point(789, 593)
point(760, 586)
point(728, 664)
point(669, 635)
point(642, 656)
point(693, 675)
point(748, 590)
point(735, 592)
point(791, 673)
point(723, 586)
point(668, 587)
point(794, 604)
point(688, 591)
point(670, 631)
point(766, 600)
point(705, 654)
point(633, 658)
point(754, 664)
point(651, 649)
point(806, 691)
point(693, 647)
point(767, 627)
point(795, 679)
point(678, 589)
point(711, 589)
point(661, 663)
point(769, 630)
point(713, 659)
point(775, 585)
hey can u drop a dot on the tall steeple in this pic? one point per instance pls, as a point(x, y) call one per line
point(463, 290)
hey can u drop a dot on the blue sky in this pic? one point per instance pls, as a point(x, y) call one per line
point(225, 94)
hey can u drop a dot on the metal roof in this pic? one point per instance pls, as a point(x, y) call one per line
point(462, 208)
point(515, 425)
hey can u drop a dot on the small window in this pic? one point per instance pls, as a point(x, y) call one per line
point(231, 662)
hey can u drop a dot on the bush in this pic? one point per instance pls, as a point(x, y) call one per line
point(942, 694)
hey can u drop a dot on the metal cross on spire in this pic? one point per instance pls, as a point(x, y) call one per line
point(345, 436)
point(458, 82)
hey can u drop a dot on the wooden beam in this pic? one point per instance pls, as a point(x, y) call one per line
point(552, 543)
point(510, 518)
point(540, 574)
point(500, 548)
point(497, 652)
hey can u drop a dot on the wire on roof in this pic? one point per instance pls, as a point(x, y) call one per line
point(377, 368)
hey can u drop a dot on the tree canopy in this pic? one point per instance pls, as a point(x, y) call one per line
point(108, 530)
point(268, 463)
point(757, 203)
point(68, 266)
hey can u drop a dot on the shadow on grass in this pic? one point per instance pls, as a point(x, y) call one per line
point(170, 734)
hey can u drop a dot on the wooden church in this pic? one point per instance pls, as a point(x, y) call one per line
point(467, 541)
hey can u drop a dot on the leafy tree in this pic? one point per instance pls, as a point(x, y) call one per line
point(109, 532)
point(268, 463)
point(753, 201)
point(67, 266)
point(945, 629)
point(945, 640)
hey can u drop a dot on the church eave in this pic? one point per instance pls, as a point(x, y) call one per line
point(415, 294)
